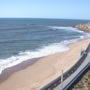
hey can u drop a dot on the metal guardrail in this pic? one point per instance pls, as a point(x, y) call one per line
point(68, 73)
point(68, 86)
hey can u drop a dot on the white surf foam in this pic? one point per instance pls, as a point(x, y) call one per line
point(23, 56)
point(85, 34)
point(43, 51)
point(66, 28)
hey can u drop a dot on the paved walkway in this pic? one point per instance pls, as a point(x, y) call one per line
point(81, 67)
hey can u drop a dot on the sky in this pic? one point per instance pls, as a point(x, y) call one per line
point(63, 9)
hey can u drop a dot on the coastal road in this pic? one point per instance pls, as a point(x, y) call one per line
point(72, 74)
point(66, 83)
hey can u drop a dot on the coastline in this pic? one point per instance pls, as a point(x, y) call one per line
point(9, 71)
point(42, 70)
point(83, 27)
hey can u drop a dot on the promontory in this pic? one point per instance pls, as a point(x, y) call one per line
point(83, 27)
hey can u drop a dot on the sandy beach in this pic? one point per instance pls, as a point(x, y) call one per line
point(44, 70)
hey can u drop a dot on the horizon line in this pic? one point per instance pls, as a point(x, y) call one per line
point(40, 18)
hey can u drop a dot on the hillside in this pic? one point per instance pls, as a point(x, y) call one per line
point(84, 82)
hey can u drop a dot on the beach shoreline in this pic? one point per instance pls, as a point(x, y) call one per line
point(9, 71)
point(49, 67)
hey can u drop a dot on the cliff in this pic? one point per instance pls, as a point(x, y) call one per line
point(83, 27)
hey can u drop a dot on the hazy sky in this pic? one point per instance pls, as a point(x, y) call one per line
point(73, 9)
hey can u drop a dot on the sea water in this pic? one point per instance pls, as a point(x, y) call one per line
point(27, 38)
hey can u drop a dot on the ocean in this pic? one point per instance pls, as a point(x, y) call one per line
point(27, 38)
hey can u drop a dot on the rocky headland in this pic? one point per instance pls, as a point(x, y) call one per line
point(83, 27)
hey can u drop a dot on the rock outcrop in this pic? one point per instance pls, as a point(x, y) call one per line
point(83, 27)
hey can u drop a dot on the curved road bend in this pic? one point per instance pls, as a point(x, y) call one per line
point(70, 78)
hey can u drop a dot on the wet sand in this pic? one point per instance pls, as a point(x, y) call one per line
point(9, 71)
point(33, 75)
